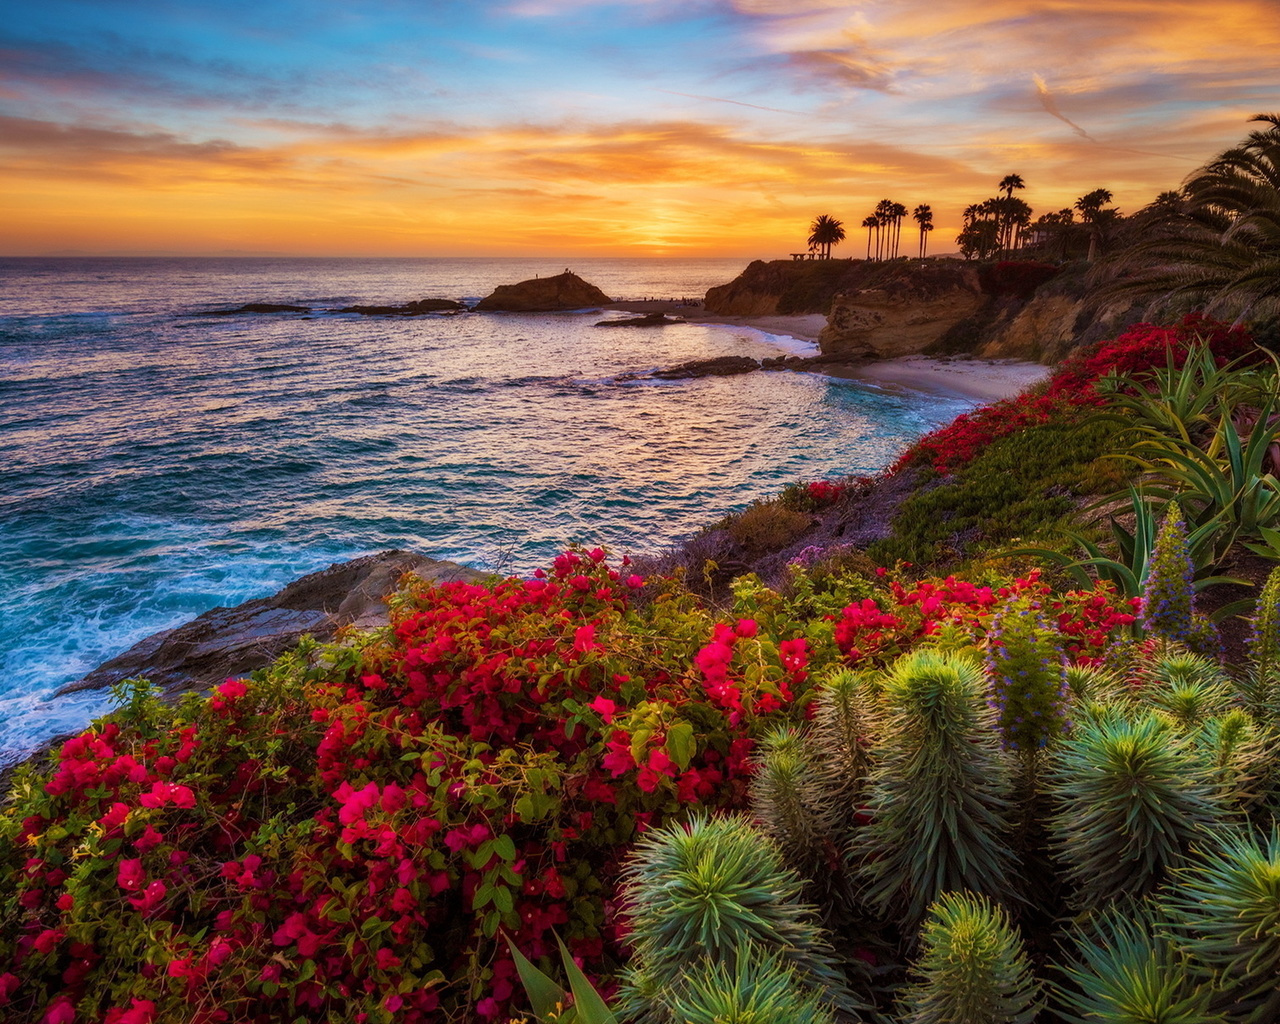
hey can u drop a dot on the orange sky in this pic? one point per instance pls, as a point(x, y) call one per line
point(576, 127)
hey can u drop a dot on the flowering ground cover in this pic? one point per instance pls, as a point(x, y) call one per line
point(352, 831)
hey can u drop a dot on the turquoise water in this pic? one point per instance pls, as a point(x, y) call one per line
point(155, 464)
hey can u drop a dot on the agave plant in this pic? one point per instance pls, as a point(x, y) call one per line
point(1127, 972)
point(939, 794)
point(702, 894)
point(1226, 913)
point(1131, 796)
point(972, 968)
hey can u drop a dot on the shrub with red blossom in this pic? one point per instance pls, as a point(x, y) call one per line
point(1071, 390)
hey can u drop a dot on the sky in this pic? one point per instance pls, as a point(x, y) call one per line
point(591, 128)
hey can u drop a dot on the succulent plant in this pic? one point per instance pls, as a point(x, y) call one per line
point(761, 987)
point(1264, 648)
point(972, 968)
point(1131, 796)
point(939, 794)
point(789, 803)
point(1240, 754)
point(1225, 911)
point(701, 894)
point(1128, 972)
point(1167, 599)
point(1028, 683)
point(845, 723)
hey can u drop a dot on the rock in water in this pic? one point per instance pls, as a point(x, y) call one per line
point(648, 320)
point(227, 642)
point(544, 295)
point(720, 366)
point(408, 309)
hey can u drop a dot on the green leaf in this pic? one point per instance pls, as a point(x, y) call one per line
point(502, 899)
point(544, 994)
point(591, 1008)
point(505, 848)
point(680, 744)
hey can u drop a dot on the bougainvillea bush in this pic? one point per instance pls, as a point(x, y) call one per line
point(1072, 390)
point(350, 834)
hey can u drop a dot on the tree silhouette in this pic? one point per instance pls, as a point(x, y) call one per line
point(923, 216)
point(1216, 245)
point(1093, 213)
point(826, 231)
point(869, 223)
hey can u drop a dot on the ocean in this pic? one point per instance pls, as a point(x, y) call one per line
point(155, 463)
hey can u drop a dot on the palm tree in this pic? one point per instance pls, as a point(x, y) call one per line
point(1008, 184)
point(869, 223)
point(1092, 212)
point(896, 212)
point(923, 216)
point(884, 217)
point(1218, 248)
point(826, 232)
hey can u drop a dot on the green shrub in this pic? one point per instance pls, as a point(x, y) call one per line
point(704, 895)
point(939, 791)
point(1127, 972)
point(1225, 912)
point(972, 968)
point(1132, 796)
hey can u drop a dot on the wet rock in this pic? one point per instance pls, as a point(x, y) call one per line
point(648, 320)
point(544, 295)
point(256, 307)
point(408, 309)
point(720, 366)
point(228, 642)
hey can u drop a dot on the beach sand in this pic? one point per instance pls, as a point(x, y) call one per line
point(983, 380)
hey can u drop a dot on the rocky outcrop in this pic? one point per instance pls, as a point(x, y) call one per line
point(544, 295)
point(904, 314)
point(408, 309)
point(770, 288)
point(228, 642)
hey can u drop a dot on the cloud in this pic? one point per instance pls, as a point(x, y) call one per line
point(1051, 106)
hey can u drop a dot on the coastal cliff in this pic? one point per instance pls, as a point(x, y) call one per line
point(1009, 309)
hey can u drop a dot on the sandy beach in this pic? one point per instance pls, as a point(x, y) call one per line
point(984, 380)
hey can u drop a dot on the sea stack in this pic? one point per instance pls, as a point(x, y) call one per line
point(544, 295)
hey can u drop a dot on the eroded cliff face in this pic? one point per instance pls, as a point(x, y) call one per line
point(905, 315)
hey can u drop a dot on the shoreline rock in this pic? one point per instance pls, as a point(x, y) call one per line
point(648, 320)
point(408, 309)
point(225, 643)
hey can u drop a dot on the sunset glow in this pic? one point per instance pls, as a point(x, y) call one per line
point(648, 127)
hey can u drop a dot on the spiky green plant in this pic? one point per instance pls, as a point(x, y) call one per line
point(845, 723)
point(1126, 972)
point(939, 794)
point(1091, 683)
point(698, 895)
point(1225, 912)
point(1172, 666)
point(1264, 648)
point(1028, 685)
point(1131, 796)
point(761, 988)
point(788, 801)
point(1167, 598)
point(1240, 755)
point(972, 968)
point(1189, 705)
